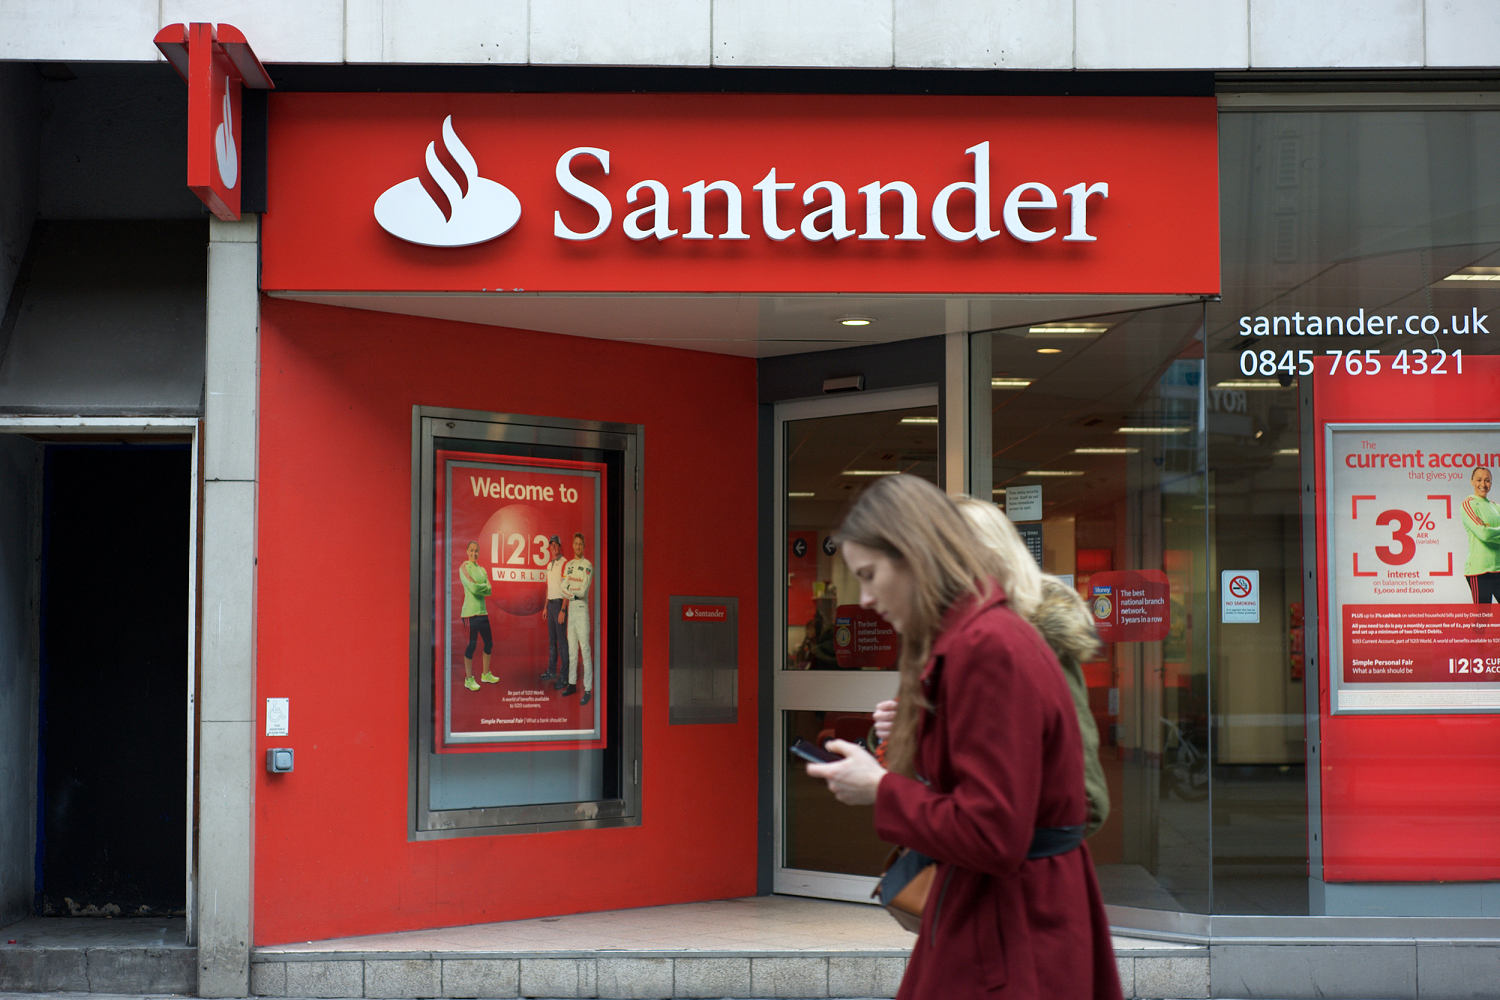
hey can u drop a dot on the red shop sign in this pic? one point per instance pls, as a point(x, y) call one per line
point(537, 193)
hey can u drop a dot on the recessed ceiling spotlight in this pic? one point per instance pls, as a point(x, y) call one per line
point(1049, 350)
point(1067, 330)
point(855, 321)
point(1467, 274)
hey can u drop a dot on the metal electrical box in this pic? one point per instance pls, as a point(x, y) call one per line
point(703, 660)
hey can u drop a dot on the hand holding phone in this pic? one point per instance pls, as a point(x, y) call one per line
point(812, 753)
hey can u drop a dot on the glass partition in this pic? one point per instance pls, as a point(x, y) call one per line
point(1096, 440)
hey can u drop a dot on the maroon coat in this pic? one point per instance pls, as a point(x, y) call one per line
point(1002, 754)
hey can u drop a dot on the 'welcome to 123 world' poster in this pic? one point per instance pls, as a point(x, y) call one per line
point(520, 593)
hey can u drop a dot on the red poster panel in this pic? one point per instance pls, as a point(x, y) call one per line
point(862, 640)
point(1130, 605)
point(520, 559)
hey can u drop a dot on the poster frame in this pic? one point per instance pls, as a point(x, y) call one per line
point(618, 798)
point(1377, 698)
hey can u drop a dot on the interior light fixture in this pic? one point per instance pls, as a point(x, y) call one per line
point(1055, 473)
point(855, 321)
point(871, 472)
point(998, 491)
point(999, 382)
point(1251, 383)
point(1288, 451)
point(1466, 274)
point(919, 420)
point(1170, 429)
point(1067, 330)
point(1106, 451)
point(800, 494)
point(1049, 350)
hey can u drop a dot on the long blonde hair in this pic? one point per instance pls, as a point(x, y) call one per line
point(916, 525)
point(994, 529)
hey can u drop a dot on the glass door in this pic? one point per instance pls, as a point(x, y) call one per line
point(836, 660)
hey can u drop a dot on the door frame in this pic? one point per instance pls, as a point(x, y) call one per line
point(126, 429)
point(820, 689)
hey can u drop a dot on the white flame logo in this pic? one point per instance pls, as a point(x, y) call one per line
point(479, 210)
point(224, 148)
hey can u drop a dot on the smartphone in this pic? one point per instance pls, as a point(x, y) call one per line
point(812, 753)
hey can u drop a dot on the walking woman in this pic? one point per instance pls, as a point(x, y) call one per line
point(985, 763)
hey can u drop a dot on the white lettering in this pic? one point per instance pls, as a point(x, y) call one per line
point(768, 218)
point(980, 185)
point(698, 194)
point(1014, 203)
point(584, 192)
point(873, 229)
point(657, 209)
point(838, 226)
point(1078, 202)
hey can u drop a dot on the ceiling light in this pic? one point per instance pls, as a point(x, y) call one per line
point(855, 321)
point(1010, 383)
point(871, 472)
point(1251, 383)
point(919, 420)
point(800, 494)
point(1053, 472)
point(1106, 451)
point(998, 491)
point(1049, 350)
point(1288, 451)
point(1153, 430)
point(1467, 274)
point(1068, 330)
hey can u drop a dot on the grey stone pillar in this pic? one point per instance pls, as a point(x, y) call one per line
point(226, 698)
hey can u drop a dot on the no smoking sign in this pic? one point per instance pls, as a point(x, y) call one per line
point(1239, 596)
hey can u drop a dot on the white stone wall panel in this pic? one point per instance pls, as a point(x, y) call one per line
point(451, 32)
point(1163, 34)
point(78, 30)
point(830, 33)
point(983, 34)
point(1462, 33)
point(616, 33)
point(1335, 34)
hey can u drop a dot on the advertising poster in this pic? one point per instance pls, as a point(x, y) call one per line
point(520, 592)
point(1406, 631)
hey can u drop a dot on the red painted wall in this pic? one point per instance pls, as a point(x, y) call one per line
point(1405, 797)
point(334, 569)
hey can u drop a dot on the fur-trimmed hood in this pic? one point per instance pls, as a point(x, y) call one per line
point(1064, 621)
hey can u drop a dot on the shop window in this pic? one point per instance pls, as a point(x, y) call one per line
point(525, 652)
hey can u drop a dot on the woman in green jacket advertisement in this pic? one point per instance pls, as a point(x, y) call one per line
point(476, 588)
point(1481, 517)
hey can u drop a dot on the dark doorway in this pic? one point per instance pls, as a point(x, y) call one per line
point(111, 832)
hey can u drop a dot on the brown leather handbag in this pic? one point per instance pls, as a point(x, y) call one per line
point(905, 886)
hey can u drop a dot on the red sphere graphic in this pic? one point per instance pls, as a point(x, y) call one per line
point(510, 545)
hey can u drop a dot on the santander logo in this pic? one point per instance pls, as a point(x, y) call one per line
point(224, 148)
point(478, 209)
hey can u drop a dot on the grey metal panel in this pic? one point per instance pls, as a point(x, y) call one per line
point(110, 321)
point(703, 660)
